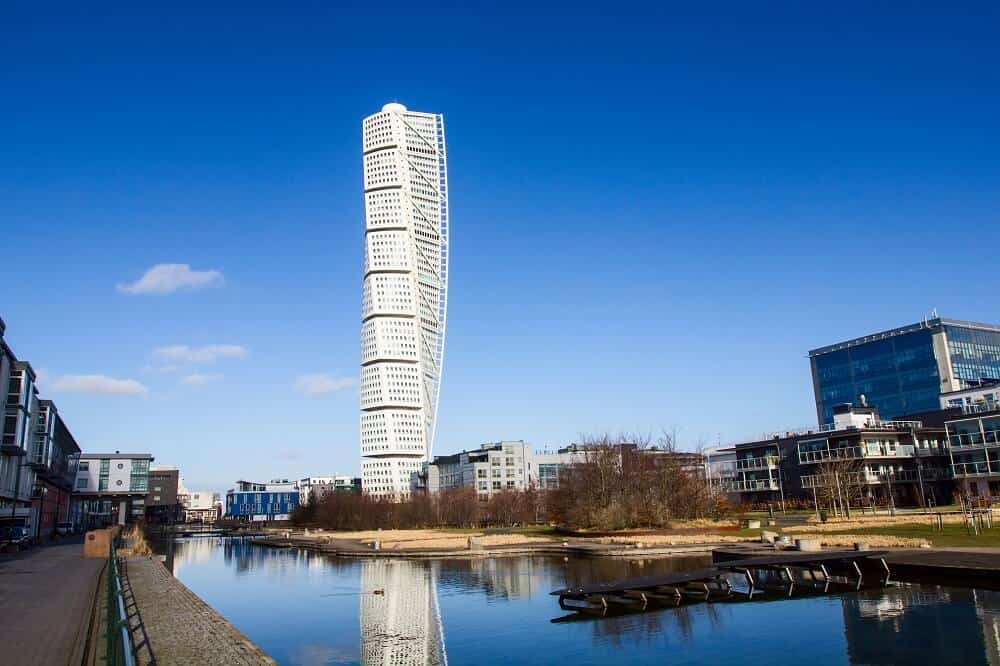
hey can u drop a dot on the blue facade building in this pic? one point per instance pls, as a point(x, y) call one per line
point(257, 502)
point(905, 370)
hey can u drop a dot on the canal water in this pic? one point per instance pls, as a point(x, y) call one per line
point(306, 608)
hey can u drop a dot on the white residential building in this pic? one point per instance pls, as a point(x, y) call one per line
point(111, 487)
point(202, 507)
point(320, 486)
point(404, 301)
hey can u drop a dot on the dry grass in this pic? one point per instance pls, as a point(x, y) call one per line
point(868, 522)
point(453, 542)
point(674, 539)
point(872, 540)
point(135, 543)
point(704, 524)
point(426, 539)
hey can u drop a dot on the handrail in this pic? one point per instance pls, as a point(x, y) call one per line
point(119, 636)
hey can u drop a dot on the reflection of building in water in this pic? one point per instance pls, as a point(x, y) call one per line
point(904, 624)
point(401, 626)
point(988, 610)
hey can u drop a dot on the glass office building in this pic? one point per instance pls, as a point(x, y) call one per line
point(905, 370)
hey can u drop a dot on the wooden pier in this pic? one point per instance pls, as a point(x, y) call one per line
point(784, 575)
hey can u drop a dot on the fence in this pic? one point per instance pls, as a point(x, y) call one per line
point(119, 636)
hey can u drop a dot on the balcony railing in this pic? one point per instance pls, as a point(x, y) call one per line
point(763, 462)
point(971, 469)
point(880, 451)
point(825, 455)
point(875, 477)
point(855, 453)
point(981, 407)
point(968, 440)
point(750, 485)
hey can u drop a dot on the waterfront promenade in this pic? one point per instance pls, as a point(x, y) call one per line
point(46, 598)
point(182, 628)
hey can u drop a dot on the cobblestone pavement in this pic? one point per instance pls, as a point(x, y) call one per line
point(46, 598)
point(182, 628)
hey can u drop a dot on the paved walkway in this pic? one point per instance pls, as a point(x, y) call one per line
point(182, 628)
point(46, 598)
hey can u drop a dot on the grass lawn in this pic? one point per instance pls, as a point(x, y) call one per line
point(951, 535)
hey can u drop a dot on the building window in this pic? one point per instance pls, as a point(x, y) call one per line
point(81, 483)
point(84, 466)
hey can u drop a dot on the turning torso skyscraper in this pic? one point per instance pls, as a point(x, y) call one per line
point(405, 294)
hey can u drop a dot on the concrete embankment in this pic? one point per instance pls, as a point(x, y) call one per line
point(180, 628)
point(343, 548)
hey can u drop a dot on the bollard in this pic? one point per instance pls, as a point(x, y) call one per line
point(376, 545)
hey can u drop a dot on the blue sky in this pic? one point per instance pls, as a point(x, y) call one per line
point(656, 212)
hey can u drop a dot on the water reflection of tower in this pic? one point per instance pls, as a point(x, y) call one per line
point(402, 626)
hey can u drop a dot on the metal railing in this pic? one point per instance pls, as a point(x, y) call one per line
point(971, 469)
point(750, 485)
point(875, 477)
point(762, 462)
point(965, 440)
point(981, 407)
point(855, 453)
point(823, 455)
point(119, 636)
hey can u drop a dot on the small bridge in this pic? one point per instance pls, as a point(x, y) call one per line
point(784, 575)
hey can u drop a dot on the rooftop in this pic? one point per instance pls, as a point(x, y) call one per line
point(115, 456)
point(926, 324)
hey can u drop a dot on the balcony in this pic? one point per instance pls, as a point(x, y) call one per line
point(974, 440)
point(826, 455)
point(871, 478)
point(749, 485)
point(855, 453)
point(962, 470)
point(763, 462)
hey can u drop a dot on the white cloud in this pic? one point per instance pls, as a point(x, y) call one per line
point(204, 354)
point(199, 379)
point(99, 384)
point(321, 383)
point(168, 278)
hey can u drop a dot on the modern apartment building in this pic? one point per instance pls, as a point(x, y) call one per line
point(404, 301)
point(163, 504)
point(905, 370)
point(111, 488)
point(202, 507)
point(20, 408)
point(315, 488)
point(54, 460)
point(253, 501)
point(512, 465)
point(974, 443)
point(492, 468)
point(906, 462)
